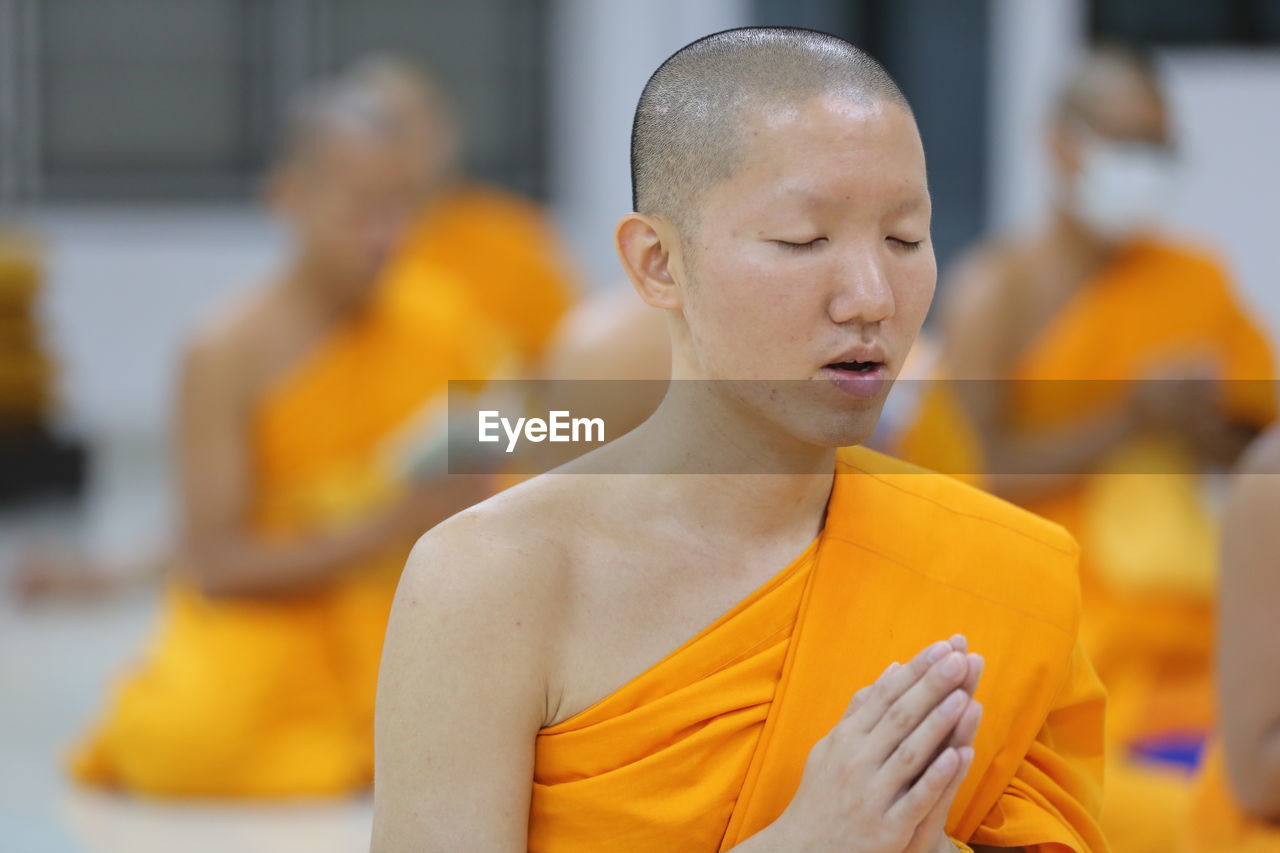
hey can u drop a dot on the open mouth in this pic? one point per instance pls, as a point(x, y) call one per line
point(855, 366)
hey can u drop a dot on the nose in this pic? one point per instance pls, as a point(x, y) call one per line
point(862, 295)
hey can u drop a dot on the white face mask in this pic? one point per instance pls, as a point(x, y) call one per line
point(1122, 187)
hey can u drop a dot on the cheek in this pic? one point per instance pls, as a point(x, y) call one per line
point(746, 309)
point(919, 289)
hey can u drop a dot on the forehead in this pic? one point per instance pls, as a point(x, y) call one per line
point(832, 146)
point(339, 156)
point(1120, 103)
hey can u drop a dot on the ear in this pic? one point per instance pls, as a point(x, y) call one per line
point(649, 248)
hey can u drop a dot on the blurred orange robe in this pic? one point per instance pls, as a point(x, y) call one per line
point(1147, 537)
point(1148, 624)
point(273, 696)
point(506, 254)
point(707, 747)
point(1218, 824)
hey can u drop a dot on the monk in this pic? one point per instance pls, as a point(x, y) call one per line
point(705, 635)
point(296, 431)
point(1238, 796)
point(1092, 319)
point(499, 245)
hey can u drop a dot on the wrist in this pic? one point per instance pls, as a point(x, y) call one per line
point(774, 838)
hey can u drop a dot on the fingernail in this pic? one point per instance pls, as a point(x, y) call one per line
point(952, 666)
point(966, 754)
point(954, 701)
point(938, 651)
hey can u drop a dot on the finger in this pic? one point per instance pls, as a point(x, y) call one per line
point(921, 799)
point(920, 748)
point(977, 664)
point(966, 728)
point(860, 696)
point(905, 714)
point(959, 642)
point(894, 684)
point(934, 821)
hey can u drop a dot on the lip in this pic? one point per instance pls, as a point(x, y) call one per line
point(863, 385)
point(863, 352)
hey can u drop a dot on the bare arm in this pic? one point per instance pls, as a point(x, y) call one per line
point(982, 301)
point(1249, 645)
point(216, 491)
point(461, 697)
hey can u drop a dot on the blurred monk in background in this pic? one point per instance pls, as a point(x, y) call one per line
point(1237, 806)
point(298, 416)
point(1093, 317)
point(501, 246)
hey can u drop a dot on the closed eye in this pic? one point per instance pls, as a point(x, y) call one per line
point(909, 245)
point(800, 247)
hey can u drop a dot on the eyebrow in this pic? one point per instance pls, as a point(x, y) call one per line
point(910, 205)
point(810, 197)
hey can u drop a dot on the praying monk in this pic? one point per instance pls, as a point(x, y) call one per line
point(500, 246)
point(1237, 807)
point(297, 504)
point(612, 656)
point(1072, 334)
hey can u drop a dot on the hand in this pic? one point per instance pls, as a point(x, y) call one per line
point(883, 779)
point(1174, 393)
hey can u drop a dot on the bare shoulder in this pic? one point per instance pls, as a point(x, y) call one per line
point(985, 269)
point(980, 283)
point(503, 564)
point(463, 686)
point(229, 340)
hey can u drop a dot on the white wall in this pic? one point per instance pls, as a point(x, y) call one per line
point(602, 52)
point(123, 287)
point(1034, 43)
point(1227, 108)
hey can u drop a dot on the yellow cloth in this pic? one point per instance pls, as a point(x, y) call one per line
point(1146, 539)
point(274, 697)
point(1218, 825)
point(505, 253)
point(1148, 631)
point(707, 747)
point(940, 435)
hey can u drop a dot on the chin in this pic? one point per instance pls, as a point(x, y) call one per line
point(843, 430)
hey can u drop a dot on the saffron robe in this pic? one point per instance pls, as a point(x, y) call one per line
point(505, 254)
point(1148, 539)
point(273, 696)
point(707, 747)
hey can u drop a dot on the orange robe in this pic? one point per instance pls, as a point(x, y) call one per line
point(1146, 540)
point(707, 747)
point(273, 697)
point(505, 253)
point(1218, 824)
point(1148, 536)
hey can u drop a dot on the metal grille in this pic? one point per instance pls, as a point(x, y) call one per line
point(181, 99)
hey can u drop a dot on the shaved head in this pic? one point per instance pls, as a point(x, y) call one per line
point(691, 120)
point(1105, 74)
point(332, 110)
point(418, 109)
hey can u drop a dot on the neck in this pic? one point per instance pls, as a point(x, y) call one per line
point(1068, 237)
point(733, 473)
point(310, 288)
